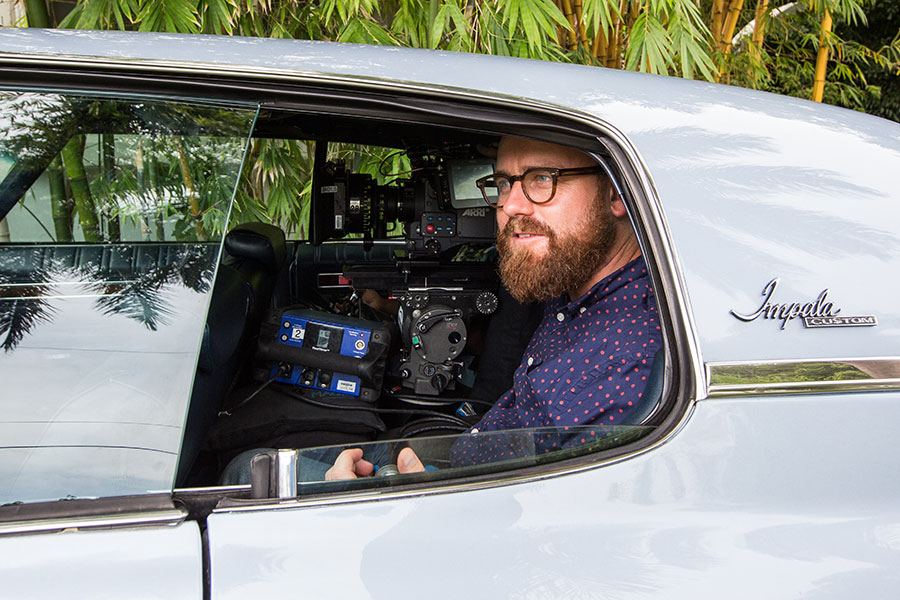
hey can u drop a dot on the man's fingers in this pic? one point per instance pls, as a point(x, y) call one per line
point(408, 462)
point(363, 468)
point(348, 465)
point(380, 303)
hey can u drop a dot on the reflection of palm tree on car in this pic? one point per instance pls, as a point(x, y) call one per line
point(19, 315)
point(142, 298)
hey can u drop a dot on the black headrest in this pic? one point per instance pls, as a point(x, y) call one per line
point(261, 242)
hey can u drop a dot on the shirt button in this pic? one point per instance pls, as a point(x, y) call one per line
point(560, 317)
point(530, 360)
point(582, 309)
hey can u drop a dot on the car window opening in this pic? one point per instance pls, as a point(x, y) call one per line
point(382, 324)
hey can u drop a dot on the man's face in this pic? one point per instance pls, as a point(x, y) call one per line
point(548, 249)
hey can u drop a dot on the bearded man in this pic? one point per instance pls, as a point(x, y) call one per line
point(564, 239)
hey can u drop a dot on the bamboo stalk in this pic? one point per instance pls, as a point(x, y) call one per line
point(470, 10)
point(630, 17)
point(37, 14)
point(716, 20)
point(599, 47)
point(61, 206)
point(73, 162)
point(633, 14)
point(153, 177)
point(560, 30)
point(612, 52)
point(822, 58)
point(472, 21)
point(759, 26)
point(579, 17)
point(570, 17)
point(615, 44)
point(108, 164)
point(193, 200)
point(734, 11)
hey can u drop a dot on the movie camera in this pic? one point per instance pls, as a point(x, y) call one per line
point(443, 277)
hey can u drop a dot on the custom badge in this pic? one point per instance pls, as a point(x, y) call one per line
point(817, 313)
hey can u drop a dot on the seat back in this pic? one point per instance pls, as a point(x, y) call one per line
point(249, 272)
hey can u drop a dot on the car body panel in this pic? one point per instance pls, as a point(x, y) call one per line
point(729, 507)
point(156, 563)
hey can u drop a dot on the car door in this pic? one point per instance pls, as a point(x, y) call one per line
point(113, 210)
point(749, 488)
point(529, 527)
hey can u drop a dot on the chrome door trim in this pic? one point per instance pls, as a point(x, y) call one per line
point(170, 517)
point(803, 376)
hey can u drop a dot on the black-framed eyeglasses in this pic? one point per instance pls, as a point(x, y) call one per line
point(538, 184)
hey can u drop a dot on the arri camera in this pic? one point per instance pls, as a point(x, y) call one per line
point(439, 204)
point(445, 275)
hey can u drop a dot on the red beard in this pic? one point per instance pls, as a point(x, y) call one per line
point(570, 261)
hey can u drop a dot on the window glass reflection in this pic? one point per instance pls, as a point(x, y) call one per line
point(112, 215)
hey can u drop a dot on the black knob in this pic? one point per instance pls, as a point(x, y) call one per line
point(439, 381)
point(486, 303)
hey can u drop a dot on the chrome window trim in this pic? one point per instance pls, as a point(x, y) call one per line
point(490, 481)
point(635, 175)
point(787, 376)
point(116, 521)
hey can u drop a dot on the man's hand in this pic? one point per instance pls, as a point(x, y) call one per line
point(351, 465)
point(380, 303)
point(408, 462)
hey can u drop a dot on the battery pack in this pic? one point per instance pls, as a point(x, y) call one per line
point(325, 352)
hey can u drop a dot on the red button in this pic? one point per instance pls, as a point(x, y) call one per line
point(429, 228)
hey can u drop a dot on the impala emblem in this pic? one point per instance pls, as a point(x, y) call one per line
point(816, 313)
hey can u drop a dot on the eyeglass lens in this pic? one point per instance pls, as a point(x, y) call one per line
point(538, 185)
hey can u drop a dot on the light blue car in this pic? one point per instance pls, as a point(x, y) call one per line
point(158, 318)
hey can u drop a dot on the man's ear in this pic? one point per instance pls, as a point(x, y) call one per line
point(616, 205)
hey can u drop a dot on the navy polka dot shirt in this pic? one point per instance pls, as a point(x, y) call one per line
point(586, 364)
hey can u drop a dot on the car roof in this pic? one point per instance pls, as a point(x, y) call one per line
point(575, 86)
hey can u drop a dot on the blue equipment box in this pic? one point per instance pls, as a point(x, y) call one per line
point(326, 352)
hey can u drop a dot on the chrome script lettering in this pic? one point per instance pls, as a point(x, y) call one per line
point(789, 311)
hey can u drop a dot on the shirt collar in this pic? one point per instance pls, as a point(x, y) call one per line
point(612, 282)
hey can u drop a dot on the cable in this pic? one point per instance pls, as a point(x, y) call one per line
point(423, 401)
point(431, 424)
point(264, 385)
point(393, 411)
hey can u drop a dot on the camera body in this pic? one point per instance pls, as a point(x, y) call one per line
point(440, 205)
